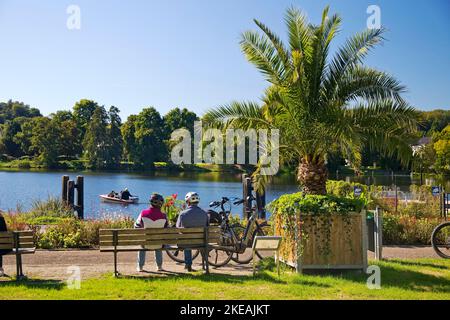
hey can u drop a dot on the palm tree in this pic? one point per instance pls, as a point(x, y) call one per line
point(320, 102)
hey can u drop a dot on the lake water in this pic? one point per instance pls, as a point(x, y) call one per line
point(21, 188)
point(18, 189)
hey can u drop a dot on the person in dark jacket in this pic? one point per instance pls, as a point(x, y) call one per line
point(193, 216)
point(2, 251)
point(125, 194)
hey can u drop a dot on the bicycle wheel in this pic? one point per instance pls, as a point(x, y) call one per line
point(177, 255)
point(246, 256)
point(440, 240)
point(219, 257)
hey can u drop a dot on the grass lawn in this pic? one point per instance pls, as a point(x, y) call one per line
point(400, 279)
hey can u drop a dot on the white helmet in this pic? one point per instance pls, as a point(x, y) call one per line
point(192, 197)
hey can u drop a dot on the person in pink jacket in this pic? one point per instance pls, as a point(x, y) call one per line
point(152, 217)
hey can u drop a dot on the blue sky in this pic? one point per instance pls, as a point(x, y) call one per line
point(165, 54)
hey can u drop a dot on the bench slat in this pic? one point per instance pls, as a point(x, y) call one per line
point(6, 240)
point(25, 238)
point(26, 245)
point(121, 231)
point(123, 237)
point(214, 237)
point(152, 231)
point(6, 234)
point(155, 242)
point(21, 245)
point(155, 237)
point(139, 248)
point(26, 233)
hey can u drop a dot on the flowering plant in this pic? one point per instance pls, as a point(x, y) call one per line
point(172, 207)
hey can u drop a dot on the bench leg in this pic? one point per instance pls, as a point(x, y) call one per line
point(21, 266)
point(116, 273)
point(19, 269)
point(17, 266)
point(205, 259)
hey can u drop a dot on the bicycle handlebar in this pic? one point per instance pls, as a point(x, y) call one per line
point(225, 200)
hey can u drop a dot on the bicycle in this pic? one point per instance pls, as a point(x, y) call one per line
point(235, 238)
point(440, 240)
point(177, 254)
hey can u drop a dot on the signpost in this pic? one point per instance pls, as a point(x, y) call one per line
point(446, 204)
point(435, 190)
point(267, 243)
point(357, 191)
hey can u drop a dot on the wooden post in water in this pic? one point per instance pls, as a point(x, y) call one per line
point(65, 179)
point(261, 203)
point(247, 191)
point(80, 197)
point(70, 193)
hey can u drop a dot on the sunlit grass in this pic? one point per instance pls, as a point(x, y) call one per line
point(400, 279)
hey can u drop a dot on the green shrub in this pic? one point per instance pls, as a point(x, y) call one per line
point(15, 221)
point(50, 239)
point(23, 164)
point(289, 203)
point(407, 230)
point(52, 207)
point(74, 233)
point(43, 220)
point(345, 189)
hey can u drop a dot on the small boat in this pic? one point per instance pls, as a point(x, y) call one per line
point(106, 198)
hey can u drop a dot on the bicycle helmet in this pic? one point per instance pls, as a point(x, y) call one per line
point(192, 198)
point(156, 200)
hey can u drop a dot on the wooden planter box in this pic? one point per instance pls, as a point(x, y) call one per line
point(346, 247)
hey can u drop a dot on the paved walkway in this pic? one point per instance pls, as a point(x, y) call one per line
point(46, 264)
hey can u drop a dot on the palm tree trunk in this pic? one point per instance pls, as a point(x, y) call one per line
point(313, 175)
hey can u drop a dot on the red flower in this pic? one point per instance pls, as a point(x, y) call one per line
point(174, 195)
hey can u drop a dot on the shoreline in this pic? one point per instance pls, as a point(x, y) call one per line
point(78, 166)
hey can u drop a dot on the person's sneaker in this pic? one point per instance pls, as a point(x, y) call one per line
point(139, 269)
point(189, 268)
point(2, 272)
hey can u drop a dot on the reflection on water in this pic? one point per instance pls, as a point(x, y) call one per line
point(22, 187)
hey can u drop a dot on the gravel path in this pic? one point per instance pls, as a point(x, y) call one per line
point(54, 264)
point(49, 264)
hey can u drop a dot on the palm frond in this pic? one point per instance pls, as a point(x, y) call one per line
point(260, 51)
point(370, 84)
point(300, 36)
point(283, 53)
point(350, 55)
point(242, 115)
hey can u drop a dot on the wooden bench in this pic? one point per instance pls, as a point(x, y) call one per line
point(123, 240)
point(19, 242)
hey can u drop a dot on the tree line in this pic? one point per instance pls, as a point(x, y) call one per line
point(90, 132)
point(97, 135)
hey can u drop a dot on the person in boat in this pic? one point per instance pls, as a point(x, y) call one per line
point(3, 228)
point(193, 216)
point(112, 194)
point(125, 194)
point(152, 217)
